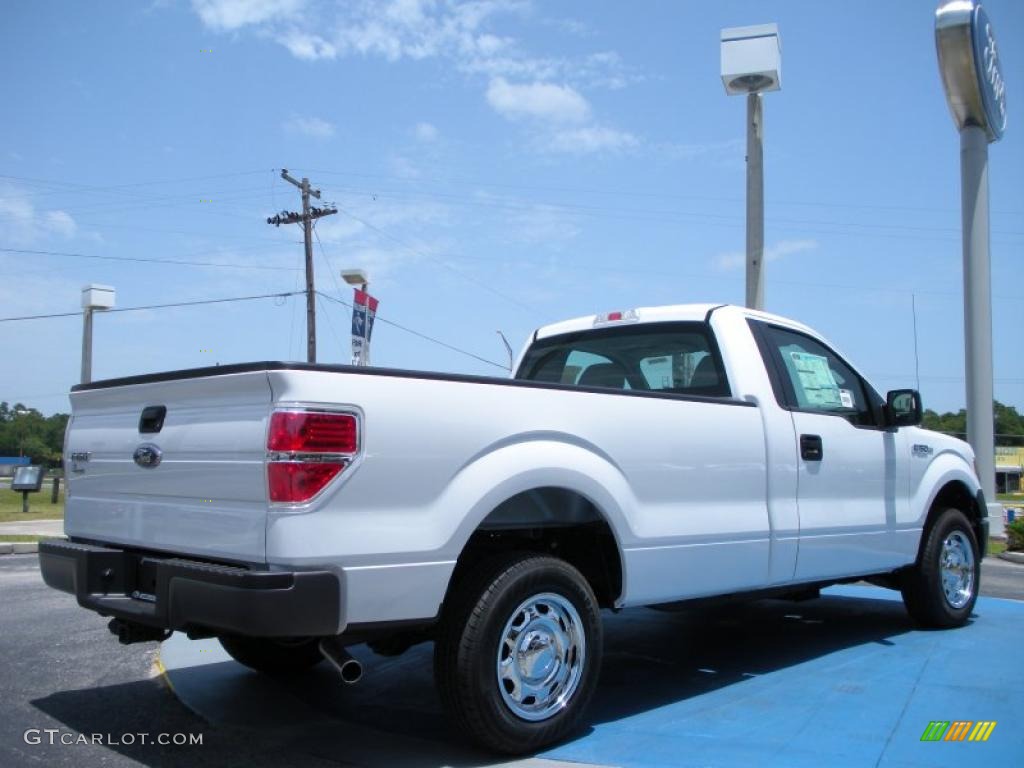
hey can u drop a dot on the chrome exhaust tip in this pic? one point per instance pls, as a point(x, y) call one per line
point(350, 669)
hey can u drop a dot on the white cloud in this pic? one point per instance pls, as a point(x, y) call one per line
point(543, 224)
point(310, 126)
point(22, 224)
point(520, 84)
point(542, 101)
point(403, 167)
point(592, 138)
point(425, 132)
point(227, 15)
point(307, 46)
point(413, 29)
point(728, 262)
point(489, 45)
point(61, 223)
point(717, 151)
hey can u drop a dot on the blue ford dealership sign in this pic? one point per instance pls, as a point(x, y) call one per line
point(989, 72)
point(970, 67)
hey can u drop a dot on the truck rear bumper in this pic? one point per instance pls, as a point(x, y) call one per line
point(174, 593)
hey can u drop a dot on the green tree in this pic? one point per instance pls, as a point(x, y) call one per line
point(25, 431)
point(1009, 424)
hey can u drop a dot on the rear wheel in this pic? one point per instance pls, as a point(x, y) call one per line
point(942, 588)
point(519, 652)
point(273, 656)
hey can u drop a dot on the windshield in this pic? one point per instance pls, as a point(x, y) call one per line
point(659, 357)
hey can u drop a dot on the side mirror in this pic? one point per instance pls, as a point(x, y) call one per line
point(903, 408)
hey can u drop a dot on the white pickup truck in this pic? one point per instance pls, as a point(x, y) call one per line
point(635, 458)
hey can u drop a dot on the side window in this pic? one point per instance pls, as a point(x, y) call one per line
point(816, 379)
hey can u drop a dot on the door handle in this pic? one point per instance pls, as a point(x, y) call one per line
point(811, 448)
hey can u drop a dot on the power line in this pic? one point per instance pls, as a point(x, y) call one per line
point(884, 231)
point(619, 192)
point(94, 188)
point(158, 306)
point(327, 261)
point(939, 379)
point(180, 262)
point(330, 323)
point(393, 324)
point(437, 261)
point(137, 202)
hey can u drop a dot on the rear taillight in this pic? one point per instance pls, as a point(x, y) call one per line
point(306, 450)
point(312, 432)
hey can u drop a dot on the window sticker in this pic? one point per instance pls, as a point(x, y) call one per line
point(846, 397)
point(816, 380)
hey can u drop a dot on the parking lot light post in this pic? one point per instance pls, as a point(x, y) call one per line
point(752, 65)
point(94, 297)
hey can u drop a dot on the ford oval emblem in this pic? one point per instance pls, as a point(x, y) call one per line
point(147, 455)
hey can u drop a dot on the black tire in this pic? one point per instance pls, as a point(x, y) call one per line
point(924, 592)
point(273, 656)
point(483, 608)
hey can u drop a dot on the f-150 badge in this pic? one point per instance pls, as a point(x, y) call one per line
point(78, 458)
point(922, 451)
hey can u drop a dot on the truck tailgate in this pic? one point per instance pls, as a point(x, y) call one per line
point(205, 496)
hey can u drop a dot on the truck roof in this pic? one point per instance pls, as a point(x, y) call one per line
point(665, 314)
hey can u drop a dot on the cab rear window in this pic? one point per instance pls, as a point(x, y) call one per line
point(658, 357)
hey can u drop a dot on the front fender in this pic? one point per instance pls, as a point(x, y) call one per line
point(944, 468)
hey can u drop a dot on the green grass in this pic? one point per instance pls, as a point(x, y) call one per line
point(19, 538)
point(39, 506)
point(1012, 498)
point(996, 546)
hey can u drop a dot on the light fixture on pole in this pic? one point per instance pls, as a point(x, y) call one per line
point(364, 309)
point(973, 80)
point(94, 297)
point(356, 277)
point(752, 65)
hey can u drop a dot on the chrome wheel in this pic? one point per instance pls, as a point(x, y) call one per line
point(541, 657)
point(956, 569)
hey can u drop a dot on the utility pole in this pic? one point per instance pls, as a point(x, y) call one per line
point(306, 218)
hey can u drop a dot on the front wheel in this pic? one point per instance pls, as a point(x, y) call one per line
point(519, 652)
point(941, 589)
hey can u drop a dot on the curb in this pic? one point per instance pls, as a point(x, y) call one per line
point(1013, 557)
point(23, 547)
point(18, 547)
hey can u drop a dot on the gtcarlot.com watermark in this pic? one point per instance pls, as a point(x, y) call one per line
point(57, 736)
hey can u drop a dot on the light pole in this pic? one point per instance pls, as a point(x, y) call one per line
point(360, 345)
point(19, 414)
point(752, 65)
point(973, 80)
point(94, 297)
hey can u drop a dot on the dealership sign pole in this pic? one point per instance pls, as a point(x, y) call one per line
point(973, 79)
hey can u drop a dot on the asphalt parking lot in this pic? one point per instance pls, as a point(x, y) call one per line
point(845, 680)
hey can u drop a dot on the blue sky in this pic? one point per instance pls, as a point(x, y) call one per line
point(498, 164)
